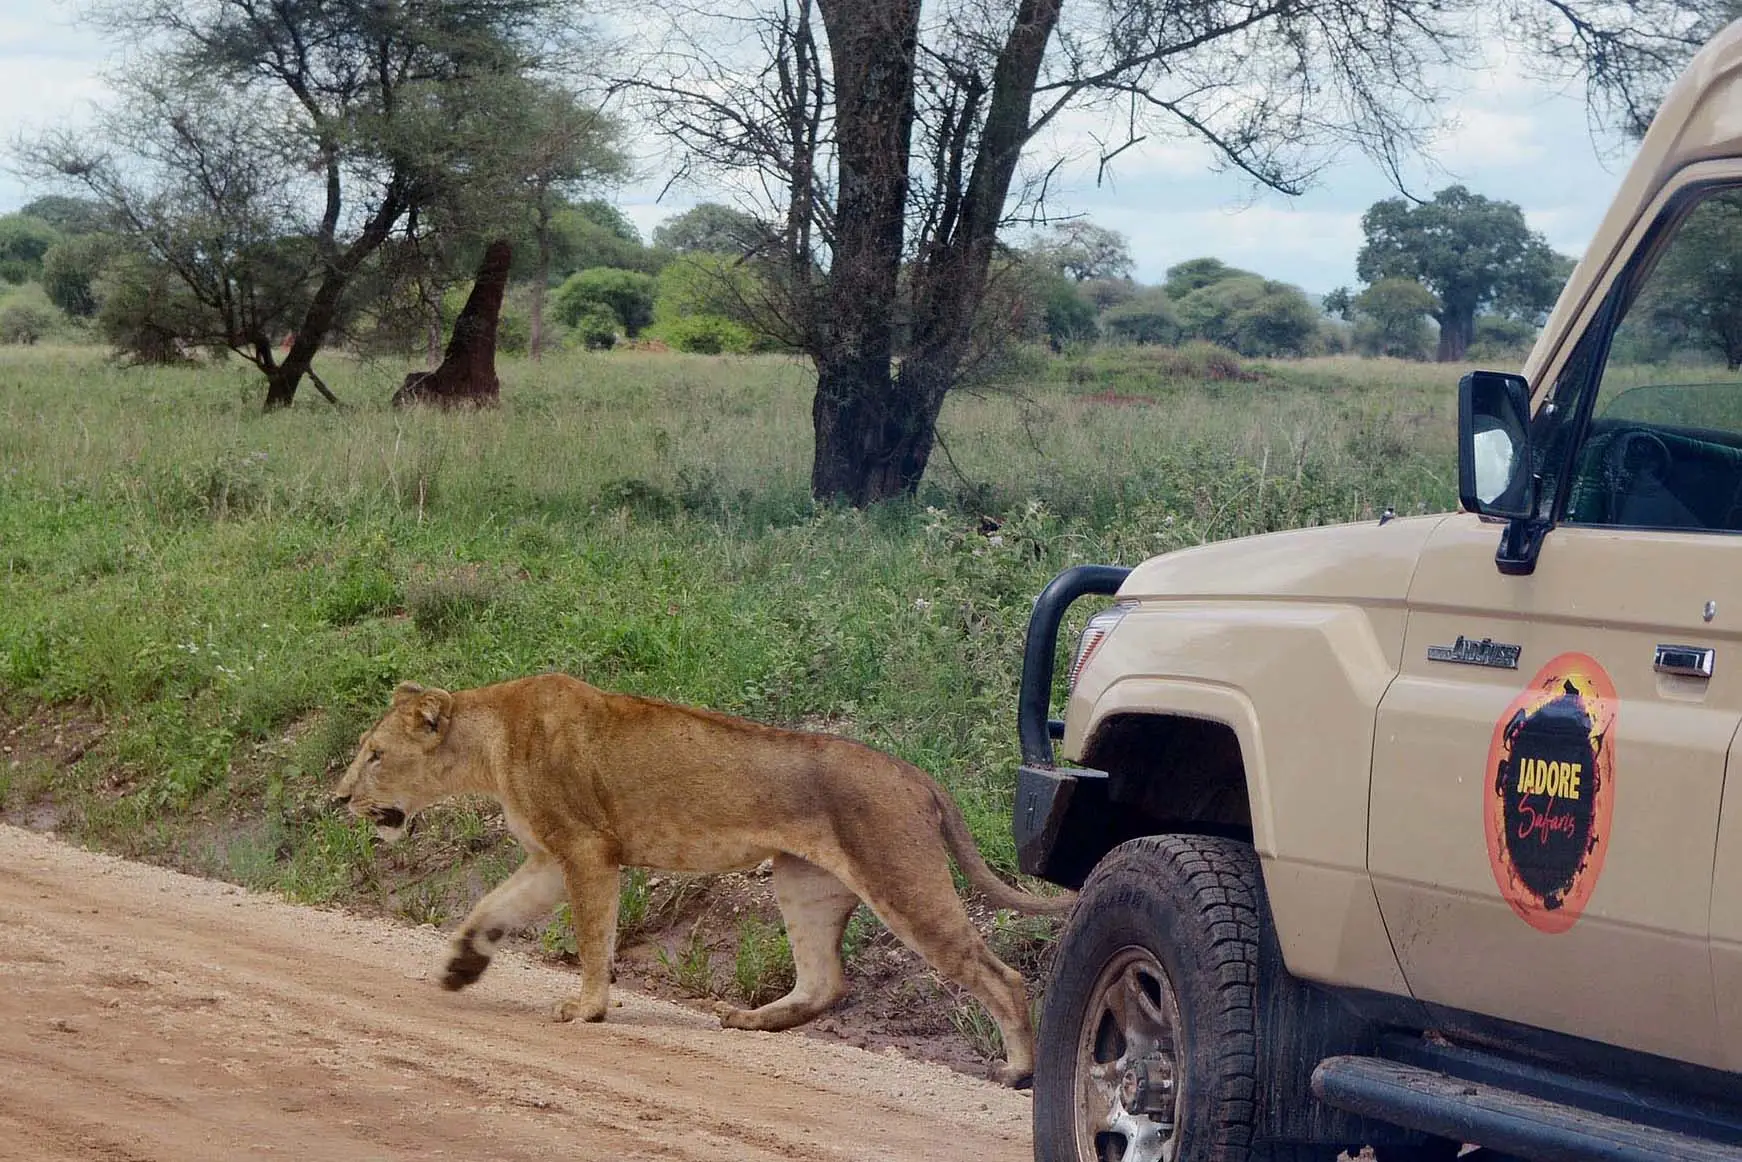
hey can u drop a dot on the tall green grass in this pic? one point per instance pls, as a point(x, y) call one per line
point(234, 594)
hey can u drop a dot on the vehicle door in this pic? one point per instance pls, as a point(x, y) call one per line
point(1549, 765)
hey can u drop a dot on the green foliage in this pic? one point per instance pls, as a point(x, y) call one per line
point(23, 242)
point(704, 335)
point(1472, 252)
point(70, 216)
point(1069, 316)
point(1147, 317)
point(710, 228)
point(691, 968)
point(1251, 315)
point(23, 323)
point(1693, 299)
point(1392, 318)
point(1197, 273)
point(1503, 342)
point(1081, 250)
point(596, 328)
point(238, 595)
point(595, 234)
point(71, 268)
point(762, 967)
point(627, 294)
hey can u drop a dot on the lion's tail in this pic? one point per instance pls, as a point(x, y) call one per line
point(1001, 894)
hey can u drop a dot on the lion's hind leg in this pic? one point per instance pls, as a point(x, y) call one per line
point(915, 897)
point(531, 893)
point(816, 907)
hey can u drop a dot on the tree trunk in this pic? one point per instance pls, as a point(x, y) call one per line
point(875, 429)
point(540, 282)
point(467, 375)
point(862, 439)
point(1457, 331)
point(874, 433)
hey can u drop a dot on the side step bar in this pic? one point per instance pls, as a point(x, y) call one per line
point(1499, 1119)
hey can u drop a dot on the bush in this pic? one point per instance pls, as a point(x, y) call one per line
point(22, 324)
point(1502, 341)
point(627, 294)
point(596, 329)
point(706, 335)
point(1148, 317)
point(1391, 318)
point(70, 271)
point(719, 287)
point(1253, 316)
point(23, 242)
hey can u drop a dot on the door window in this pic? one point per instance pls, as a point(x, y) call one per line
point(1663, 447)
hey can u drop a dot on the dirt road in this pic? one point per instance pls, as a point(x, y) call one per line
point(149, 1015)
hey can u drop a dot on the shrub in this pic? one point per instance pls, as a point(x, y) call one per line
point(1148, 317)
point(596, 329)
point(1391, 318)
point(627, 294)
point(22, 324)
point(706, 335)
point(70, 271)
point(1251, 315)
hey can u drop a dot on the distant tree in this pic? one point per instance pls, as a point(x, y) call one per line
point(261, 157)
point(23, 241)
point(71, 268)
point(1081, 250)
point(891, 143)
point(1251, 315)
point(711, 228)
point(1066, 313)
point(1339, 304)
point(1149, 316)
point(1392, 318)
point(1470, 251)
point(1693, 299)
point(627, 294)
point(1196, 273)
point(71, 216)
point(1107, 293)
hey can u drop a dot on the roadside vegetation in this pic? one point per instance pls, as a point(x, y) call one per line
point(201, 606)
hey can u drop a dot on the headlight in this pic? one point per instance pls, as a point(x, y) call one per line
point(1093, 635)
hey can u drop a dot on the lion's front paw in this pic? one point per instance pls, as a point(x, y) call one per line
point(1013, 1076)
point(578, 1009)
point(732, 1017)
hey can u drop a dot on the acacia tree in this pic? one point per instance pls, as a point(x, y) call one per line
point(887, 140)
point(262, 152)
point(1471, 252)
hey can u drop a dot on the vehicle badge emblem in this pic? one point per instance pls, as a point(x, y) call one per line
point(1469, 652)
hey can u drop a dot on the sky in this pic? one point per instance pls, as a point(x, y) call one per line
point(1505, 136)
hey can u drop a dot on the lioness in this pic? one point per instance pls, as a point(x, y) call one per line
point(591, 781)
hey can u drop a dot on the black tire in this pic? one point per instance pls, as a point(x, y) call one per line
point(1183, 908)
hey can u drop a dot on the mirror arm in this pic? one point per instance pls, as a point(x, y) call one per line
point(1521, 543)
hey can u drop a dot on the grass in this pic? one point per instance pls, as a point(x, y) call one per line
point(233, 595)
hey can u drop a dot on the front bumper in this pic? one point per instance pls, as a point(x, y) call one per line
point(1044, 792)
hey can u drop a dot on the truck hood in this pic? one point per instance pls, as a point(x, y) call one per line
point(1361, 563)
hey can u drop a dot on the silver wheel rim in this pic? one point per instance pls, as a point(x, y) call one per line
point(1128, 1081)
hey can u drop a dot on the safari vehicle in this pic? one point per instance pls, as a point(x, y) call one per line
point(1415, 833)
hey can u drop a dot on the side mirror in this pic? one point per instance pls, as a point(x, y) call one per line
point(1495, 466)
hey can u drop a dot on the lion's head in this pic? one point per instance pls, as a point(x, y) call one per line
point(393, 778)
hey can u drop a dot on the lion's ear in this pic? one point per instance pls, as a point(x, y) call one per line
point(405, 692)
point(432, 708)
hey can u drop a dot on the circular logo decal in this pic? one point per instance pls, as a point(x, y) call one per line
point(1551, 791)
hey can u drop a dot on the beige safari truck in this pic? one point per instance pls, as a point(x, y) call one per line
point(1425, 834)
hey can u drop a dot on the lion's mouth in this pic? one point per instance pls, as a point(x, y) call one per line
point(391, 818)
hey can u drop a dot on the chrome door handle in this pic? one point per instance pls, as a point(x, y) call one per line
point(1688, 661)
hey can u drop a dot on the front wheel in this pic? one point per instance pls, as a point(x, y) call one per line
point(1148, 1043)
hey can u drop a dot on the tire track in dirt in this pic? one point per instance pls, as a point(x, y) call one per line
point(149, 1015)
